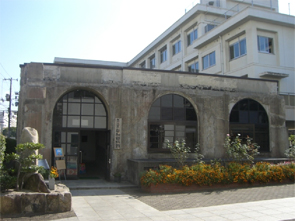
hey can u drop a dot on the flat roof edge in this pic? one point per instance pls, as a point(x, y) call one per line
point(88, 62)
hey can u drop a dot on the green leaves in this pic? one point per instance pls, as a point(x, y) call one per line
point(179, 150)
point(240, 151)
point(26, 158)
point(290, 152)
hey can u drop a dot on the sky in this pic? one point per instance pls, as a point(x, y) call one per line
point(110, 30)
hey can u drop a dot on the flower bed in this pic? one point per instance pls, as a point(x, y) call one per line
point(215, 175)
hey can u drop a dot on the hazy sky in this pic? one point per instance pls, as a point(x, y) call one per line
point(111, 30)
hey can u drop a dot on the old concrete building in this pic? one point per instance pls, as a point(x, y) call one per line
point(103, 116)
point(219, 69)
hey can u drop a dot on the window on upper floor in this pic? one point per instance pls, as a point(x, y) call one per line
point(142, 65)
point(163, 55)
point(209, 60)
point(209, 27)
point(152, 62)
point(265, 44)
point(194, 67)
point(193, 35)
point(238, 49)
point(176, 48)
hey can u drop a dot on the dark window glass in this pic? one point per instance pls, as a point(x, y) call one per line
point(155, 113)
point(166, 113)
point(234, 116)
point(191, 115)
point(77, 110)
point(178, 101)
point(249, 118)
point(169, 117)
point(179, 114)
point(166, 101)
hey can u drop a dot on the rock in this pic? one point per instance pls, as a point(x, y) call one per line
point(36, 183)
point(10, 204)
point(29, 135)
point(52, 203)
point(65, 202)
point(33, 203)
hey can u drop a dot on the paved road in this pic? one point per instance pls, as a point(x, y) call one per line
point(257, 203)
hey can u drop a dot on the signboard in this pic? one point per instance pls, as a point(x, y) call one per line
point(58, 152)
point(60, 164)
point(118, 129)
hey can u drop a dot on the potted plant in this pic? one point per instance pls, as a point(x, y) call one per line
point(52, 175)
point(117, 177)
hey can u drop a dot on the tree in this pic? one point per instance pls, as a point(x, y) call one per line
point(26, 160)
point(12, 132)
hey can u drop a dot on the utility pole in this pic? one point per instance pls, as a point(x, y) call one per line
point(9, 109)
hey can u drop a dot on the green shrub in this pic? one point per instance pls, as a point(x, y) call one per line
point(208, 175)
point(239, 151)
point(2, 150)
point(26, 160)
point(7, 181)
point(290, 152)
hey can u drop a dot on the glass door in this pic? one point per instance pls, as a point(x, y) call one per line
point(72, 154)
point(69, 141)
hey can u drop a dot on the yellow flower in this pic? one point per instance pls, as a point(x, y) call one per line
point(53, 172)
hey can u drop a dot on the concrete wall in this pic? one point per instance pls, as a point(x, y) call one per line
point(129, 93)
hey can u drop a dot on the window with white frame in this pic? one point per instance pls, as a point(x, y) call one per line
point(163, 55)
point(152, 62)
point(142, 65)
point(238, 49)
point(265, 44)
point(209, 60)
point(194, 67)
point(176, 48)
point(193, 35)
point(209, 27)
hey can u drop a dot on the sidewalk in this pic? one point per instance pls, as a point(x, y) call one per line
point(257, 203)
point(260, 203)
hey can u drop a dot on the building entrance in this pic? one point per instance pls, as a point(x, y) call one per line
point(93, 155)
point(80, 128)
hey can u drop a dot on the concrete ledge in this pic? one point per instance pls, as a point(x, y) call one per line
point(27, 202)
point(166, 188)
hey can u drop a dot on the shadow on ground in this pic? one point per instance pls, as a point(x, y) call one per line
point(187, 200)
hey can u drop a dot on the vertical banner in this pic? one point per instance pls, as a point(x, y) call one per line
point(118, 128)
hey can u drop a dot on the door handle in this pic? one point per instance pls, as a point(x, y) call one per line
point(80, 156)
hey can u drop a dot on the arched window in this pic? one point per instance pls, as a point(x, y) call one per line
point(171, 117)
point(80, 109)
point(249, 118)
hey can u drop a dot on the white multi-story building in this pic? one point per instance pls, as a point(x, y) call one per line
point(4, 119)
point(244, 38)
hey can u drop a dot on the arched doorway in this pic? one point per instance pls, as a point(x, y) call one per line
point(171, 117)
point(80, 128)
point(249, 118)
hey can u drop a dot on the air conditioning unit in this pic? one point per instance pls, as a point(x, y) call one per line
point(211, 3)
